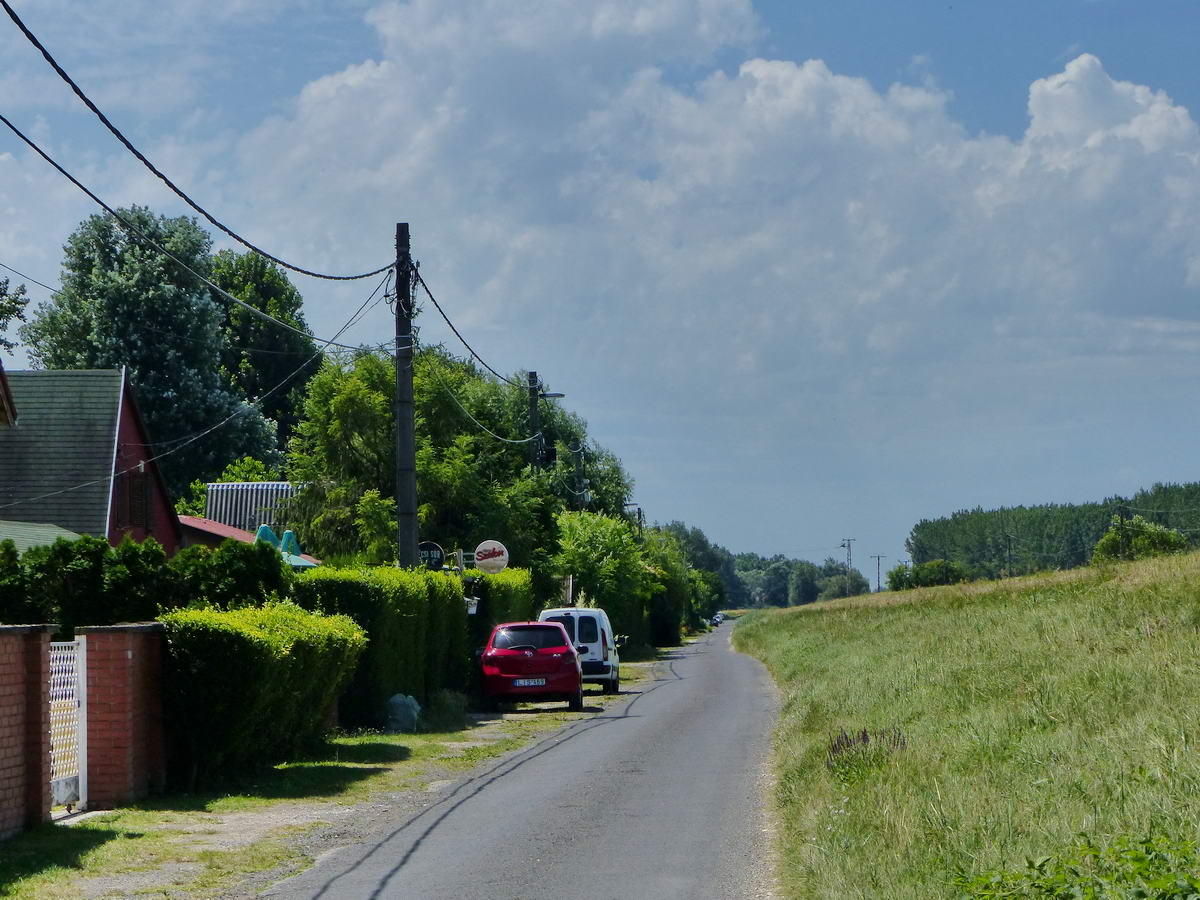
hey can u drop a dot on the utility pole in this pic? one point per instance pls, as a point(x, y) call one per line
point(581, 496)
point(535, 420)
point(846, 542)
point(877, 558)
point(406, 446)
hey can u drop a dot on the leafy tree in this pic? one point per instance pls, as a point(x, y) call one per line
point(899, 578)
point(1137, 538)
point(774, 586)
point(602, 553)
point(258, 355)
point(839, 581)
point(670, 604)
point(12, 308)
point(125, 304)
point(804, 583)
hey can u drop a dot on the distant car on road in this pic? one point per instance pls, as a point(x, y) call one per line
point(531, 661)
point(718, 619)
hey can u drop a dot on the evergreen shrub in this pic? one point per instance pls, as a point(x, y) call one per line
point(249, 687)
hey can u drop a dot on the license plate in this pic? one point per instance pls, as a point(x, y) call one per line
point(529, 682)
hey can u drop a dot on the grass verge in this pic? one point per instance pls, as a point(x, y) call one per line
point(947, 741)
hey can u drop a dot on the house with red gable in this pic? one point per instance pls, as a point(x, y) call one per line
point(8, 410)
point(79, 457)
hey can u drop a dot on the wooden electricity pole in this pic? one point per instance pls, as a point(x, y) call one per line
point(877, 558)
point(406, 444)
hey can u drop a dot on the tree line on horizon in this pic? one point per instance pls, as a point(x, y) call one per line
point(1020, 540)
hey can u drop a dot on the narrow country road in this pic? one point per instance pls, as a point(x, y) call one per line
point(660, 796)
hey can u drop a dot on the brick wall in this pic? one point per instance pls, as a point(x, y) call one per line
point(24, 726)
point(125, 748)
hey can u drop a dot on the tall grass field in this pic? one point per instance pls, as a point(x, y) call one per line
point(1034, 737)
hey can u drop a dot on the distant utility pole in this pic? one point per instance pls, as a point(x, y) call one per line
point(535, 420)
point(406, 446)
point(877, 558)
point(846, 542)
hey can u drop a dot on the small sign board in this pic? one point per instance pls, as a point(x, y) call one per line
point(432, 555)
point(491, 557)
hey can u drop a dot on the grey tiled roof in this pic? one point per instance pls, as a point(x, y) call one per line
point(64, 437)
point(26, 535)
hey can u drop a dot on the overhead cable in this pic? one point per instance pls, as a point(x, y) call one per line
point(136, 232)
point(450, 393)
point(161, 177)
point(191, 439)
point(268, 350)
point(27, 278)
point(457, 334)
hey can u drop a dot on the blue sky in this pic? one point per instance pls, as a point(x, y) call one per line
point(811, 270)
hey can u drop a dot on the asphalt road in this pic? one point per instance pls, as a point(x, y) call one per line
point(660, 796)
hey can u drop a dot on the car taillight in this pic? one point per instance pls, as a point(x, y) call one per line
point(604, 643)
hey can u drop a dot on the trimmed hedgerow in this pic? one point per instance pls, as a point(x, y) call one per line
point(230, 575)
point(392, 606)
point(446, 635)
point(506, 596)
point(249, 687)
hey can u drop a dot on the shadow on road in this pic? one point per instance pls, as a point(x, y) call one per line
point(434, 815)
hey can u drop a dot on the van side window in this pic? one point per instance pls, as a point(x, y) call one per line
point(567, 622)
point(588, 632)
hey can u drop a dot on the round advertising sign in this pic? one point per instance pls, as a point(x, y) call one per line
point(432, 555)
point(491, 557)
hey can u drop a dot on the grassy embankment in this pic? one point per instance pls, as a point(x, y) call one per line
point(1025, 713)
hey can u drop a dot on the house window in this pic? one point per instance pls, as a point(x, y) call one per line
point(133, 500)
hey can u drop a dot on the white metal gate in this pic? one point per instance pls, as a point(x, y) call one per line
point(68, 723)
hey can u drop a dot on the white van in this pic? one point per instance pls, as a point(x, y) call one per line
point(592, 634)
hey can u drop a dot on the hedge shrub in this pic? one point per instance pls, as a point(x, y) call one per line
point(87, 582)
point(249, 687)
point(231, 575)
point(446, 639)
point(506, 596)
point(394, 607)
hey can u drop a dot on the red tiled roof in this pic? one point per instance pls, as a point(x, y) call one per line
point(221, 530)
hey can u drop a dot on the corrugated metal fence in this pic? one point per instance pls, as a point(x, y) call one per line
point(246, 504)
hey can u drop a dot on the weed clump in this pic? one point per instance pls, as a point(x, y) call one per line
point(1157, 867)
point(853, 757)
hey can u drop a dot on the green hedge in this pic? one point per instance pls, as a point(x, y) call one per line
point(449, 652)
point(506, 596)
point(87, 582)
point(249, 687)
point(418, 628)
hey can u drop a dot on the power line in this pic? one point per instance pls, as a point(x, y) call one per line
point(136, 232)
point(144, 327)
point(457, 334)
point(191, 439)
point(27, 278)
point(449, 393)
point(161, 177)
point(358, 313)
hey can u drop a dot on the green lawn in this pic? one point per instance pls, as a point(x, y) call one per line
point(1003, 720)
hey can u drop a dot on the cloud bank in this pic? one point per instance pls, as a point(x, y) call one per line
point(758, 280)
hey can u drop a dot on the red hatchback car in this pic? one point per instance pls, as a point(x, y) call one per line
point(531, 661)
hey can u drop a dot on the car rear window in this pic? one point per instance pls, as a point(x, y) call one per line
point(567, 622)
point(538, 637)
point(588, 632)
